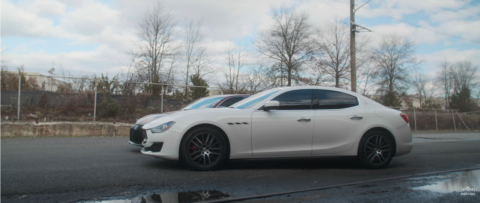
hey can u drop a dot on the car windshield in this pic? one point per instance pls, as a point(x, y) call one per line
point(252, 100)
point(208, 102)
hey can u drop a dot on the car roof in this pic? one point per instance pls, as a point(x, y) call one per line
point(227, 95)
point(317, 87)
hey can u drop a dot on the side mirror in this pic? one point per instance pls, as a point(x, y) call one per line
point(271, 105)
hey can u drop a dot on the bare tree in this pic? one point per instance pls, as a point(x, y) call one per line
point(192, 49)
point(201, 66)
point(334, 51)
point(156, 31)
point(463, 74)
point(272, 75)
point(419, 83)
point(255, 78)
point(288, 40)
point(235, 62)
point(394, 59)
point(366, 75)
point(444, 77)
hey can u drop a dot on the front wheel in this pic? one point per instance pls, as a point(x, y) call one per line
point(204, 149)
point(376, 150)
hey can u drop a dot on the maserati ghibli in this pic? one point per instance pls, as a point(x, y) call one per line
point(284, 122)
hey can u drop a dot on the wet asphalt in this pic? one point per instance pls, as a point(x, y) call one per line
point(64, 169)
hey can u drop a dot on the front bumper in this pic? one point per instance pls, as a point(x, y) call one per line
point(136, 136)
point(170, 144)
point(136, 144)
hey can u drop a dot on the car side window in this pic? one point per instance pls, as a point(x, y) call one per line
point(297, 99)
point(228, 102)
point(328, 99)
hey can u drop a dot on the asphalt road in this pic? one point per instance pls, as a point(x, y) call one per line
point(77, 169)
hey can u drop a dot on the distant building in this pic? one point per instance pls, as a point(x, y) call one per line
point(214, 91)
point(45, 83)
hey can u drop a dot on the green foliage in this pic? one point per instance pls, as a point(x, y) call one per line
point(461, 100)
point(198, 92)
point(9, 80)
point(104, 85)
point(391, 99)
point(108, 107)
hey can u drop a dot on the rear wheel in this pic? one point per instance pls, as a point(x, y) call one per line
point(376, 150)
point(204, 149)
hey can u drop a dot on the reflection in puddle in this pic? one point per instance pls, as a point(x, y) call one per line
point(181, 197)
point(468, 181)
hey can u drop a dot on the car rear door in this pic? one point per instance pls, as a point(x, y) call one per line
point(339, 118)
point(287, 131)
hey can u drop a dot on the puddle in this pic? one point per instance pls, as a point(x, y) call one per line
point(181, 197)
point(465, 182)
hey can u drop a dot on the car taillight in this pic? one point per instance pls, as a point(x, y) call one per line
point(404, 116)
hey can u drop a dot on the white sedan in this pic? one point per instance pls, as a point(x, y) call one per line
point(282, 123)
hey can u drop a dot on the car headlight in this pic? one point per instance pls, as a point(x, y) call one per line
point(162, 128)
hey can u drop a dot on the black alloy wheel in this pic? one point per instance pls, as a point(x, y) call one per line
point(204, 149)
point(376, 150)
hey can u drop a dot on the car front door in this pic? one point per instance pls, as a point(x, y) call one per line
point(287, 131)
point(338, 120)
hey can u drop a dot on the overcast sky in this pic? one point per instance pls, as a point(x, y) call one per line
point(94, 36)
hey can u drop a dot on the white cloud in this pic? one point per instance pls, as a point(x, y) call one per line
point(91, 19)
point(112, 26)
point(19, 22)
point(454, 55)
point(103, 59)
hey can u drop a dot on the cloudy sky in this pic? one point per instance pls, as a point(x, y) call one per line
point(94, 36)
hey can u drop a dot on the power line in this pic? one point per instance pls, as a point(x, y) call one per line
point(468, 3)
point(432, 30)
point(460, 6)
point(476, 17)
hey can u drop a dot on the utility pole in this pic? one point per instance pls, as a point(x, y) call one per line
point(281, 73)
point(354, 28)
point(95, 102)
point(19, 94)
point(353, 68)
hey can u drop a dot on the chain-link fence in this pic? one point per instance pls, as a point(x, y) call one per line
point(54, 98)
point(443, 120)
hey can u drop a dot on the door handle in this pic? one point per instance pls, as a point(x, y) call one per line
point(357, 117)
point(304, 120)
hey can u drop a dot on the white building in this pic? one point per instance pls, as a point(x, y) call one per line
point(45, 83)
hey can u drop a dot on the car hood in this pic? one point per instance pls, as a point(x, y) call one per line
point(149, 118)
point(186, 114)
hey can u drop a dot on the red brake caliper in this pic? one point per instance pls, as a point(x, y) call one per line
point(194, 147)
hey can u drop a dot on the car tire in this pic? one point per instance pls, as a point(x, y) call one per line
point(204, 149)
point(376, 150)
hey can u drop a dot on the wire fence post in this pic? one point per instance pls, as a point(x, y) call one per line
point(455, 127)
point(19, 95)
point(436, 123)
point(95, 102)
point(414, 119)
point(161, 103)
point(462, 121)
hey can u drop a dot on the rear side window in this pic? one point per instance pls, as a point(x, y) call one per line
point(297, 99)
point(230, 101)
point(328, 99)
